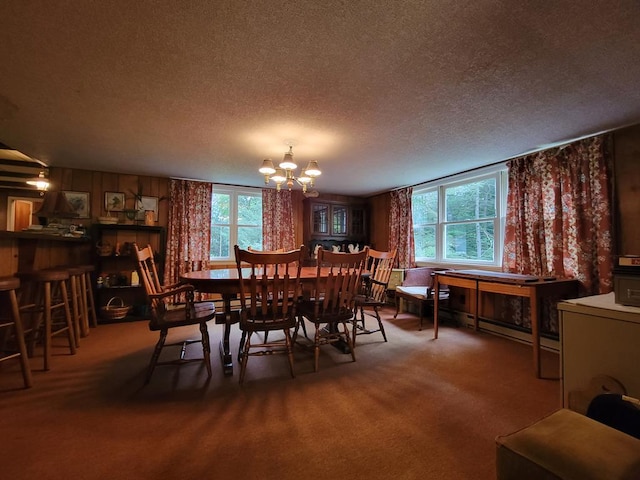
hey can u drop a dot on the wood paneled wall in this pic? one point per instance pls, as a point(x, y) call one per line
point(97, 183)
point(296, 199)
point(43, 253)
point(379, 221)
point(627, 189)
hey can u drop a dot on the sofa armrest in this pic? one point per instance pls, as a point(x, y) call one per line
point(566, 444)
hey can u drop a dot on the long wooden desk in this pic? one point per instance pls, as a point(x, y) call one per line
point(533, 288)
point(225, 282)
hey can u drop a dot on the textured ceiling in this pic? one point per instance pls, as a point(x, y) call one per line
point(382, 94)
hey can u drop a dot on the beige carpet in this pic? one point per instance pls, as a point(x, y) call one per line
point(412, 408)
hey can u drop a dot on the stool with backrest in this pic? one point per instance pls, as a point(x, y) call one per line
point(374, 295)
point(269, 295)
point(44, 299)
point(172, 306)
point(13, 321)
point(331, 299)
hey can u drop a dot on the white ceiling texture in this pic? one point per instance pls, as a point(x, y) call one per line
point(382, 94)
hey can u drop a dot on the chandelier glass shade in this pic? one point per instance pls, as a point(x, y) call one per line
point(284, 174)
point(40, 182)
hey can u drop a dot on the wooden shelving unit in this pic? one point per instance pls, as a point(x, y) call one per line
point(113, 270)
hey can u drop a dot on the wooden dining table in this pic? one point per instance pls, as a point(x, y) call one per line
point(225, 282)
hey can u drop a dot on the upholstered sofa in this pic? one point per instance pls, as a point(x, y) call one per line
point(569, 446)
point(417, 288)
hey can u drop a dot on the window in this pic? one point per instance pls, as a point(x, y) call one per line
point(236, 218)
point(461, 220)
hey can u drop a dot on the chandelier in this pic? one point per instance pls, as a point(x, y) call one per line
point(40, 182)
point(285, 173)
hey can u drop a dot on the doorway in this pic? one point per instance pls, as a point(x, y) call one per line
point(20, 212)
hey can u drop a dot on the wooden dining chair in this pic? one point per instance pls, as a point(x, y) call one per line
point(374, 294)
point(277, 250)
point(172, 306)
point(269, 295)
point(331, 300)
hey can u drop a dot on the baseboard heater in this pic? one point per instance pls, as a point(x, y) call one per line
point(548, 341)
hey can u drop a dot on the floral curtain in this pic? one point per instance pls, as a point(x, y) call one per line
point(189, 230)
point(277, 220)
point(559, 215)
point(401, 227)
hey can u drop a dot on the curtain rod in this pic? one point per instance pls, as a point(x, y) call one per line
point(560, 145)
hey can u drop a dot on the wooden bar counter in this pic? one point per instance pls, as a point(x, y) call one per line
point(21, 251)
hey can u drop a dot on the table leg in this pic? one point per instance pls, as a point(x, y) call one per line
point(477, 306)
point(436, 305)
point(342, 345)
point(225, 351)
point(535, 330)
point(225, 347)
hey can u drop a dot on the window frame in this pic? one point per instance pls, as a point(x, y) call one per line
point(497, 172)
point(234, 193)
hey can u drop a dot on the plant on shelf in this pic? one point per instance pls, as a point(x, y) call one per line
point(138, 204)
point(130, 214)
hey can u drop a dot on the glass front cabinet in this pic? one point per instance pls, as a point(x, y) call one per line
point(331, 223)
point(336, 220)
point(339, 218)
point(320, 219)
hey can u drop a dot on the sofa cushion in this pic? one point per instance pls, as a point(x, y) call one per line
point(421, 293)
point(567, 445)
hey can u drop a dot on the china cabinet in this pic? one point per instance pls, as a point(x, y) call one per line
point(335, 224)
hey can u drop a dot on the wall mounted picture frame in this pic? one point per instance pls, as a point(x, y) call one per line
point(114, 201)
point(79, 201)
point(147, 203)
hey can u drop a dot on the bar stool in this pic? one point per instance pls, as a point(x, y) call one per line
point(87, 288)
point(45, 294)
point(78, 307)
point(8, 288)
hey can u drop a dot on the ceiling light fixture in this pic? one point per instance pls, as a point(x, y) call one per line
point(40, 182)
point(284, 174)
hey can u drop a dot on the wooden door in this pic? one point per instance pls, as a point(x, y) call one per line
point(22, 210)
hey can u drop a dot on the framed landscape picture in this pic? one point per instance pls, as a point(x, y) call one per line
point(147, 203)
point(79, 202)
point(113, 201)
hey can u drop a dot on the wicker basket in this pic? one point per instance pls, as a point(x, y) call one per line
point(112, 312)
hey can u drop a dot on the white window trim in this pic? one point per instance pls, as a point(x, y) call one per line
point(233, 215)
point(500, 172)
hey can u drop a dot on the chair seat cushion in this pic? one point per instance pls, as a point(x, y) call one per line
point(176, 316)
point(364, 301)
point(421, 293)
point(307, 308)
point(264, 325)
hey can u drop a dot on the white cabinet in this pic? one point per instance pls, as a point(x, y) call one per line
point(598, 337)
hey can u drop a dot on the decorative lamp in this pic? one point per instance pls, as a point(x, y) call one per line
point(40, 182)
point(284, 174)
